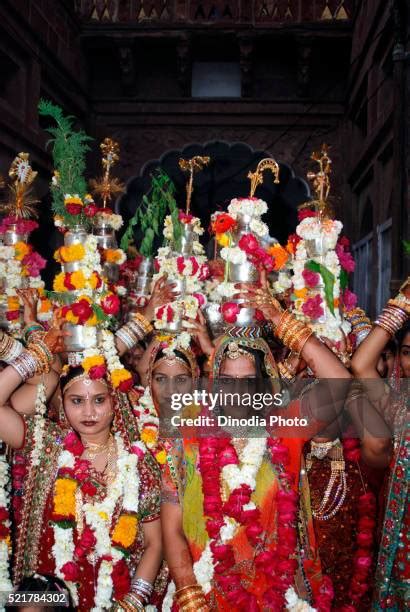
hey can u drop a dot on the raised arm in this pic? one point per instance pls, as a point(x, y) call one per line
point(139, 325)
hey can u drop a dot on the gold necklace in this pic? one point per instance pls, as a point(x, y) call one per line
point(93, 449)
point(328, 509)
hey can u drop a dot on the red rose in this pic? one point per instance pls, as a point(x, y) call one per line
point(180, 265)
point(88, 489)
point(205, 272)
point(4, 515)
point(194, 265)
point(74, 209)
point(126, 385)
point(70, 571)
point(304, 214)
point(97, 372)
point(111, 304)
point(230, 312)
point(82, 310)
point(88, 538)
point(12, 315)
point(217, 268)
point(121, 579)
point(200, 298)
point(90, 210)
point(73, 444)
point(365, 538)
point(248, 243)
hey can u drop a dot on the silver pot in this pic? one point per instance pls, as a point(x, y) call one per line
point(77, 340)
point(76, 235)
point(242, 273)
point(146, 267)
point(105, 236)
point(143, 280)
point(71, 266)
point(186, 240)
point(316, 247)
point(11, 236)
point(180, 286)
point(243, 226)
point(174, 326)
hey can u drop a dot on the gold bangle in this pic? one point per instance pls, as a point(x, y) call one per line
point(143, 322)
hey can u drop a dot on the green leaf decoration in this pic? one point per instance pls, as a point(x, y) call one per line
point(159, 201)
point(406, 244)
point(328, 280)
point(69, 148)
point(343, 279)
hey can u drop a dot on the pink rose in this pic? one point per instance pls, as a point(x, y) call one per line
point(311, 278)
point(70, 571)
point(312, 308)
point(230, 312)
point(349, 300)
point(248, 243)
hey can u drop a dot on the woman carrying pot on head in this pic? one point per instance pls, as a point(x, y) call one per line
point(230, 505)
point(91, 490)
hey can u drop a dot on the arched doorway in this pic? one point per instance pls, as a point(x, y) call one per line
point(224, 179)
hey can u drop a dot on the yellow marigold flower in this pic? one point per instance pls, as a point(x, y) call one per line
point(71, 318)
point(92, 321)
point(222, 240)
point(75, 252)
point(64, 496)
point(45, 305)
point(90, 362)
point(70, 199)
point(301, 293)
point(93, 280)
point(13, 303)
point(21, 250)
point(164, 338)
point(78, 279)
point(118, 376)
point(149, 435)
point(280, 254)
point(161, 457)
point(103, 515)
point(112, 255)
point(58, 283)
point(125, 530)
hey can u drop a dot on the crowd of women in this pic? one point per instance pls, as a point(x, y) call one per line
point(214, 522)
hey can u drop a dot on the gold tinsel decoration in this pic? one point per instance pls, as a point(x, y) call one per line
point(195, 164)
point(21, 202)
point(106, 186)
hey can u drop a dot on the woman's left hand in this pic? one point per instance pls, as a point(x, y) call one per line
point(54, 338)
point(29, 297)
point(260, 297)
point(198, 329)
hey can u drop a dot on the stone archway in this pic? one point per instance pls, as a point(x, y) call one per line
point(224, 179)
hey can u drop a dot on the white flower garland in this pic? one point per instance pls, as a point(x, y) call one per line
point(245, 206)
point(99, 516)
point(40, 411)
point(295, 603)
point(5, 581)
point(234, 255)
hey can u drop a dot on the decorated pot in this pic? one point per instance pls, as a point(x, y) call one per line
point(186, 240)
point(242, 226)
point(144, 277)
point(71, 266)
point(105, 235)
point(75, 235)
point(316, 247)
point(11, 236)
point(81, 337)
point(242, 273)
